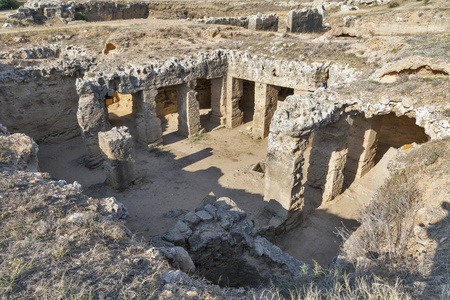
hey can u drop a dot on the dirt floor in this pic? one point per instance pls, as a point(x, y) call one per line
point(175, 176)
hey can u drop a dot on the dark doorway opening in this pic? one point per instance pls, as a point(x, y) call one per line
point(247, 102)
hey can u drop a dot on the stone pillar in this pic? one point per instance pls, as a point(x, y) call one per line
point(266, 99)
point(118, 150)
point(188, 110)
point(263, 22)
point(92, 117)
point(363, 136)
point(305, 20)
point(218, 96)
point(148, 125)
point(235, 89)
point(327, 161)
point(283, 191)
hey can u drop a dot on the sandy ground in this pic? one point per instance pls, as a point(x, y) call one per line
point(177, 176)
point(319, 229)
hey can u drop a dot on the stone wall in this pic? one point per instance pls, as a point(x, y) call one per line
point(258, 22)
point(41, 101)
point(105, 10)
point(38, 11)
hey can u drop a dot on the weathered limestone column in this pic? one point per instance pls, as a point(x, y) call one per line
point(266, 99)
point(283, 189)
point(92, 117)
point(218, 96)
point(188, 110)
point(235, 90)
point(118, 150)
point(327, 161)
point(363, 136)
point(148, 125)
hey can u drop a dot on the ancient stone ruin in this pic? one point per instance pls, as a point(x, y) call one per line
point(226, 247)
point(305, 20)
point(37, 11)
point(292, 131)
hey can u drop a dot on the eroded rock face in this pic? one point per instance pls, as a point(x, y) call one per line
point(41, 100)
point(225, 246)
point(18, 151)
point(40, 10)
point(414, 66)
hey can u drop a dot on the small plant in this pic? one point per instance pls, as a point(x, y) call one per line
point(80, 16)
point(433, 155)
point(9, 4)
point(426, 2)
point(197, 137)
point(403, 77)
point(394, 4)
point(158, 151)
point(374, 82)
point(17, 268)
point(447, 112)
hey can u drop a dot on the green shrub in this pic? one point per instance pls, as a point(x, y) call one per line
point(9, 4)
point(80, 16)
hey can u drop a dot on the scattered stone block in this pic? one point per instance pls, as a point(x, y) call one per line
point(263, 22)
point(305, 20)
point(118, 150)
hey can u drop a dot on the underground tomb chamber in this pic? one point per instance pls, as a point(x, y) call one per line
point(313, 163)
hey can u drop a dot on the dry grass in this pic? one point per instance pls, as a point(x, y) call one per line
point(404, 229)
point(319, 283)
point(44, 255)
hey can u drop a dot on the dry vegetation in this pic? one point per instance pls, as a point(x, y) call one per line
point(404, 230)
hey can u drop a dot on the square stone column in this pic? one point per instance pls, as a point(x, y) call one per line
point(266, 99)
point(218, 96)
point(328, 158)
point(118, 150)
point(235, 90)
point(92, 117)
point(364, 133)
point(148, 125)
point(188, 110)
